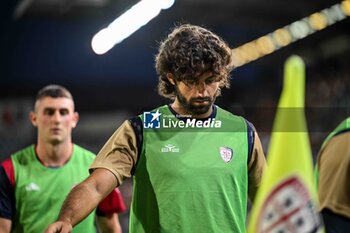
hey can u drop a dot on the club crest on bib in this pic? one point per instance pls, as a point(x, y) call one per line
point(226, 154)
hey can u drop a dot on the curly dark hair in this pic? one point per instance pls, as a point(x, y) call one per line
point(187, 53)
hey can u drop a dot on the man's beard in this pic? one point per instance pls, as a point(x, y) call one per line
point(190, 108)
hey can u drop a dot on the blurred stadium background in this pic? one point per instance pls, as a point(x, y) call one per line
point(48, 41)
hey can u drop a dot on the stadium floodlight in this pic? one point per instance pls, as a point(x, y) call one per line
point(126, 24)
point(290, 33)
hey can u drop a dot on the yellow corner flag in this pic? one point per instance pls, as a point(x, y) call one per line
point(286, 201)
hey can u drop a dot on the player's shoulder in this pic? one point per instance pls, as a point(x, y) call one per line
point(83, 152)
point(24, 155)
point(230, 115)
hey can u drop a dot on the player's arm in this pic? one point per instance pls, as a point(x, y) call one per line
point(109, 223)
point(256, 167)
point(5, 225)
point(83, 199)
point(107, 212)
point(7, 207)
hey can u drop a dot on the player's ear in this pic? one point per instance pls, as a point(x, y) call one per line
point(32, 117)
point(75, 119)
point(170, 77)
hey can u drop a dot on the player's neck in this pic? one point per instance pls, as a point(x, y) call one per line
point(177, 107)
point(54, 155)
